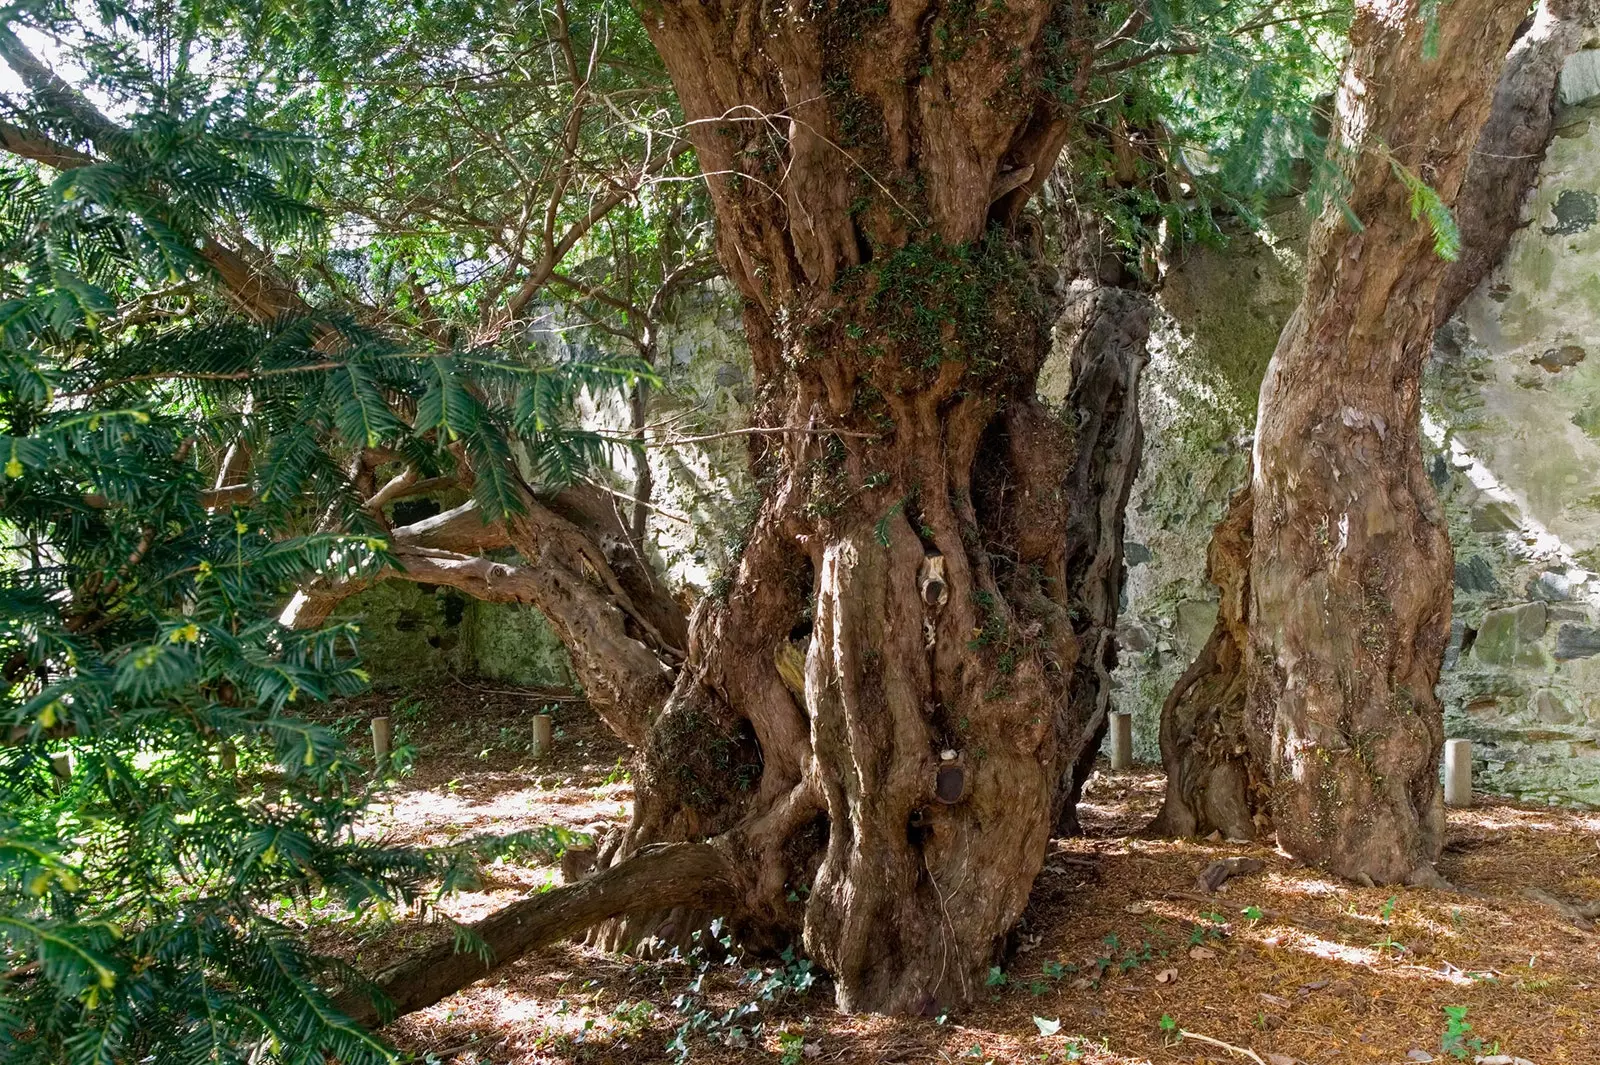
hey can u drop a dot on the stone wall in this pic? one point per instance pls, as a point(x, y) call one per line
point(1512, 418)
point(412, 633)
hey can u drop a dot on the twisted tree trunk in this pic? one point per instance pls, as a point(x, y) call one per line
point(1214, 781)
point(1350, 573)
point(1110, 333)
point(878, 715)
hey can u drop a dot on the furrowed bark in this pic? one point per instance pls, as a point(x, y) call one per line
point(1212, 783)
point(879, 707)
point(1350, 563)
point(657, 877)
point(1108, 354)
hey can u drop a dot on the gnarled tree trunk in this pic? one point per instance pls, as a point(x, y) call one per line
point(890, 798)
point(1110, 333)
point(1350, 568)
point(1214, 780)
point(1214, 783)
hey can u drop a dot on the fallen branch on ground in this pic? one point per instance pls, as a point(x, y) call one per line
point(1220, 871)
point(656, 879)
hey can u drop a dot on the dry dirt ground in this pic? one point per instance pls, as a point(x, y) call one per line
point(1119, 952)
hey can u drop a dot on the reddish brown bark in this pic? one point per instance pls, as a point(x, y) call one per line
point(913, 553)
point(1214, 783)
point(1350, 563)
point(663, 876)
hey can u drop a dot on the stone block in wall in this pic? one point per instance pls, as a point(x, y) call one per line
point(1577, 641)
point(1474, 574)
point(1551, 709)
point(1196, 619)
point(1510, 637)
point(1580, 78)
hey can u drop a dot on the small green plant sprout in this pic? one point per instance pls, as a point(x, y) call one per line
point(1387, 911)
point(1170, 1030)
point(1055, 970)
point(1457, 1040)
point(996, 978)
point(791, 1048)
point(1252, 913)
point(1388, 942)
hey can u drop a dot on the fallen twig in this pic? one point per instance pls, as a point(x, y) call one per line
point(1220, 871)
point(1244, 1052)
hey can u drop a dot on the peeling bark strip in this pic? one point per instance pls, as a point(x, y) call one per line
point(1351, 566)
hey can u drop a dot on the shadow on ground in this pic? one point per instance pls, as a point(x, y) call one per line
point(1119, 950)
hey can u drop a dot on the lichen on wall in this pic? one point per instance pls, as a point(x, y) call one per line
point(1513, 405)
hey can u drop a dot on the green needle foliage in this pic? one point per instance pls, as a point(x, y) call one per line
point(162, 809)
point(167, 820)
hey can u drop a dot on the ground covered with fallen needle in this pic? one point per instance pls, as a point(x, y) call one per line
point(1123, 957)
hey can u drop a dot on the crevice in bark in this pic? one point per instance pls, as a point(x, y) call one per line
point(898, 638)
point(1213, 782)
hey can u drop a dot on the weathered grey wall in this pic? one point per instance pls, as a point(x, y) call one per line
point(412, 633)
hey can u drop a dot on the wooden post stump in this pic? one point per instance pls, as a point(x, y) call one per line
point(1121, 740)
point(543, 735)
point(1458, 772)
point(382, 739)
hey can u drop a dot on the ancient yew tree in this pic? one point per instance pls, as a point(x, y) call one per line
point(1217, 779)
point(868, 169)
point(1350, 564)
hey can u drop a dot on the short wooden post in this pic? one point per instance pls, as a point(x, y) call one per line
point(1121, 740)
point(382, 738)
point(1458, 772)
point(543, 736)
point(61, 765)
point(228, 758)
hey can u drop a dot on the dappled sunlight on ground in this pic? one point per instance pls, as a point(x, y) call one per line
point(1288, 963)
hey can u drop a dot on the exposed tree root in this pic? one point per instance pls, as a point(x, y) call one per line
point(653, 879)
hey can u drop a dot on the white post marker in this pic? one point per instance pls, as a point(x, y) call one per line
point(543, 735)
point(1458, 772)
point(1121, 740)
point(62, 765)
point(382, 737)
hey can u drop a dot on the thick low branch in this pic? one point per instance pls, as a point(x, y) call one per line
point(657, 878)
